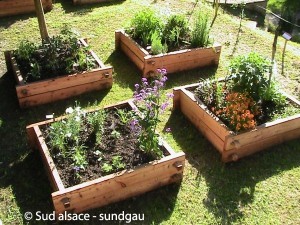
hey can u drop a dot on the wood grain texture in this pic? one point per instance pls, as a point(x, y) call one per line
point(16, 7)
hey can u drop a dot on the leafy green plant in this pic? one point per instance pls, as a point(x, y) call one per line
point(124, 116)
point(58, 55)
point(117, 162)
point(107, 168)
point(115, 134)
point(156, 46)
point(79, 156)
point(144, 24)
point(176, 30)
point(248, 74)
point(200, 32)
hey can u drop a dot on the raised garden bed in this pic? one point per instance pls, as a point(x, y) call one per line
point(173, 61)
point(109, 188)
point(235, 146)
point(62, 87)
point(15, 7)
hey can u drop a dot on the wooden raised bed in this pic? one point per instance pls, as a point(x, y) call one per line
point(62, 87)
point(15, 7)
point(235, 146)
point(110, 188)
point(173, 62)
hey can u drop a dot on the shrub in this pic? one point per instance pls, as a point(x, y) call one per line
point(61, 55)
point(176, 30)
point(248, 74)
point(145, 24)
point(200, 32)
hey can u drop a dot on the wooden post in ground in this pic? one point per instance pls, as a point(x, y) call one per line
point(41, 19)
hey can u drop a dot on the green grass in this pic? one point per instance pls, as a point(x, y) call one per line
point(260, 189)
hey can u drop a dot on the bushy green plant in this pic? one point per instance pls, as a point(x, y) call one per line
point(176, 30)
point(156, 46)
point(249, 74)
point(60, 55)
point(144, 24)
point(200, 32)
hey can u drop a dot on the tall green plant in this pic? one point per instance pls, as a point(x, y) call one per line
point(144, 24)
point(200, 33)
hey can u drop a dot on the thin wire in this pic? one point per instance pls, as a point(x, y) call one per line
point(279, 17)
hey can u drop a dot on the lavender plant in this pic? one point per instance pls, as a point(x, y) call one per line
point(148, 99)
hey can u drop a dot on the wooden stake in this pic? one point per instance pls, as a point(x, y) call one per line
point(41, 19)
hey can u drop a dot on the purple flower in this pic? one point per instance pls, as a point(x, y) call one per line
point(164, 79)
point(164, 106)
point(168, 130)
point(170, 95)
point(136, 86)
point(76, 169)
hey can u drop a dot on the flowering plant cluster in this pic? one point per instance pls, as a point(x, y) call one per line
point(240, 111)
point(148, 99)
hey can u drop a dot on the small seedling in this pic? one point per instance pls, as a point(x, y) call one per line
point(117, 162)
point(115, 134)
point(107, 168)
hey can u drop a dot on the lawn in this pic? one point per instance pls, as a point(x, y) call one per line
point(260, 189)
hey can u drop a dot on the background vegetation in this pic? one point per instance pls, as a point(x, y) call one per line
point(260, 189)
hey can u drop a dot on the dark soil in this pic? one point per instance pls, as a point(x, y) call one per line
point(126, 146)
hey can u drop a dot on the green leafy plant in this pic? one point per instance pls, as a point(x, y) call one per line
point(124, 116)
point(156, 46)
point(200, 32)
point(117, 162)
point(249, 74)
point(144, 24)
point(115, 134)
point(176, 30)
point(107, 168)
point(58, 55)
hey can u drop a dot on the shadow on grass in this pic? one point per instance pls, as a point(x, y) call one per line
point(230, 186)
point(126, 74)
point(69, 7)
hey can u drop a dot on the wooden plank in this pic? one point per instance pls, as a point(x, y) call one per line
point(133, 45)
point(255, 146)
point(113, 188)
point(49, 85)
point(47, 160)
point(15, 7)
point(16, 70)
point(134, 58)
point(61, 94)
point(178, 63)
point(201, 112)
point(194, 113)
point(99, 62)
point(278, 127)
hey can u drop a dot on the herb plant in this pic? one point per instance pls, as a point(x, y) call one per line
point(200, 33)
point(145, 24)
point(60, 55)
